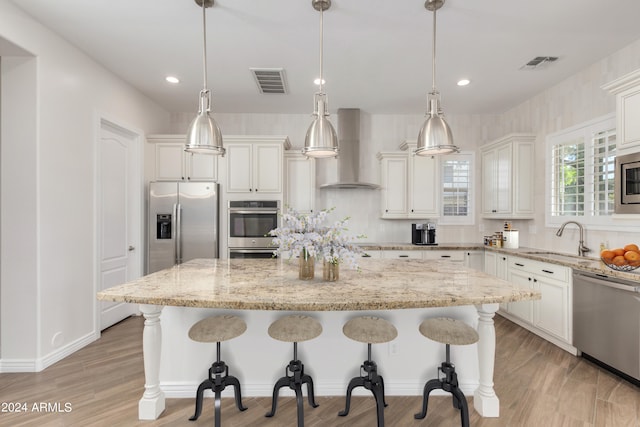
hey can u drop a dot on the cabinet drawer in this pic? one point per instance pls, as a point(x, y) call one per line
point(402, 254)
point(552, 271)
point(444, 255)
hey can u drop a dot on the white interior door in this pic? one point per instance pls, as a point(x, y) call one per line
point(119, 208)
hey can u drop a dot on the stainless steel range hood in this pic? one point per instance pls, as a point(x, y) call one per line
point(349, 155)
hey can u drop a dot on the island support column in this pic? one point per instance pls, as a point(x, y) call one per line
point(152, 403)
point(484, 399)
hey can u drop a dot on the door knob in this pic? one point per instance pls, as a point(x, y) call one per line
point(131, 248)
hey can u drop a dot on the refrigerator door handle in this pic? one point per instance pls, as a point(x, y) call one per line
point(178, 234)
point(174, 228)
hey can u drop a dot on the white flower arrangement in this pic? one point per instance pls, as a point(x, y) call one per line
point(305, 235)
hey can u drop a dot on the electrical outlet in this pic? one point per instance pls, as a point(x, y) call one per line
point(393, 349)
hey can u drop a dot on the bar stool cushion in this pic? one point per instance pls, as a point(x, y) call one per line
point(448, 331)
point(295, 328)
point(370, 330)
point(217, 328)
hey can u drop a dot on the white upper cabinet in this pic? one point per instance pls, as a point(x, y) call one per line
point(627, 92)
point(254, 164)
point(299, 182)
point(508, 178)
point(410, 184)
point(172, 163)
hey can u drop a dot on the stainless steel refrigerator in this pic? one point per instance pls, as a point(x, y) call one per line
point(183, 223)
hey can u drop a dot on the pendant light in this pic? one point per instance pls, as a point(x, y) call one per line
point(321, 139)
point(203, 135)
point(435, 135)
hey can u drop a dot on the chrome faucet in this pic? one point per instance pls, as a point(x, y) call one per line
point(582, 249)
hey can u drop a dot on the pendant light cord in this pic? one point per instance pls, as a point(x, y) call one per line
point(433, 62)
point(204, 44)
point(321, 44)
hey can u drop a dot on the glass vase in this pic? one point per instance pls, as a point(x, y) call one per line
point(330, 271)
point(306, 269)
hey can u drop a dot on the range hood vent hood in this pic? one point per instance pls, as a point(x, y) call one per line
point(349, 154)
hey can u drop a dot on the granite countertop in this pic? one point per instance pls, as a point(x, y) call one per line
point(589, 264)
point(273, 284)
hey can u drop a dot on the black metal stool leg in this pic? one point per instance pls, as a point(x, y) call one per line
point(230, 380)
point(282, 382)
point(310, 393)
point(204, 385)
point(299, 401)
point(378, 394)
point(428, 388)
point(217, 405)
point(464, 410)
point(355, 382)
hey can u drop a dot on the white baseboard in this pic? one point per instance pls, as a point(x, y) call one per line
point(179, 390)
point(39, 364)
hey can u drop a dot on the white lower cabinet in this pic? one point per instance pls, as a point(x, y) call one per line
point(552, 313)
point(496, 265)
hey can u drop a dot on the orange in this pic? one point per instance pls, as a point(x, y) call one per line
point(618, 251)
point(631, 256)
point(607, 255)
point(634, 263)
point(619, 260)
point(632, 247)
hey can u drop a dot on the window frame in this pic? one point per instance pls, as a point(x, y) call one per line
point(468, 219)
point(585, 132)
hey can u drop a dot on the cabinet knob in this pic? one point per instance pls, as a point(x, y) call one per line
point(256, 190)
point(529, 278)
point(535, 280)
point(251, 190)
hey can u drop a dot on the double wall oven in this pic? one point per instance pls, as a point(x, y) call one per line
point(249, 224)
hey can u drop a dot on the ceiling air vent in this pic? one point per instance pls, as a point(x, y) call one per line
point(539, 62)
point(269, 80)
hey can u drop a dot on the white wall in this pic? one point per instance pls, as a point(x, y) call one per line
point(54, 269)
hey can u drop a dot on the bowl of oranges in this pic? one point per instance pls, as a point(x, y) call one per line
point(622, 259)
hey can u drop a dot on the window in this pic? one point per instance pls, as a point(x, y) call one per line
point(582, 164)
point(456, 189)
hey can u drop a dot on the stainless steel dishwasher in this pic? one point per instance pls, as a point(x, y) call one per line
point(606, 321)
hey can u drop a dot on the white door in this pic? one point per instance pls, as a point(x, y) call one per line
point(119, 207)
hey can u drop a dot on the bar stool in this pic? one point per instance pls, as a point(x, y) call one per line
point(447, 331)
point(294, 328)
point(217, 329)
point(369, 330)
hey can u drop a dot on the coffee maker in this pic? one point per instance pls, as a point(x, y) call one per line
point(423, 234)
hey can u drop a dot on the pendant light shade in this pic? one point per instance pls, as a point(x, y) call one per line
point(203, 135)
point(435, 135)
point(321, 139)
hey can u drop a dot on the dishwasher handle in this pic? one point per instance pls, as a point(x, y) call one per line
point(608, 283)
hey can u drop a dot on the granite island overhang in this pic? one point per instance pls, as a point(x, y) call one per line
point(399, 290)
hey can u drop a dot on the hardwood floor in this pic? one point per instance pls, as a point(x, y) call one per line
point(538, 385)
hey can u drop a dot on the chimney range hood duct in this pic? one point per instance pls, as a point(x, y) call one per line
point(349, 156)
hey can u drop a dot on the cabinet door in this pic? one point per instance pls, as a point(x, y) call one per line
point(521, 309)
point(239, 167)
point(490, 263)
point(551, 312)
point(300, 183)
point(201, 167)
point(169, 161)
point(424, 187)
point(523, 157)
point(489, 182)
point(394, 187)
point(267, 168)
point(474, 259)
point(504, 178)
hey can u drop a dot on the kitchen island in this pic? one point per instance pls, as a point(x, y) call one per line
point(399, 290)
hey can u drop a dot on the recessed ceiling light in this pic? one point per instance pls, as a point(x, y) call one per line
point(463, 82)
point(317, 81)
point(172, 79)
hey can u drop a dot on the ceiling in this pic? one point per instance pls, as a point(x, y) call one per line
point(377, 55)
